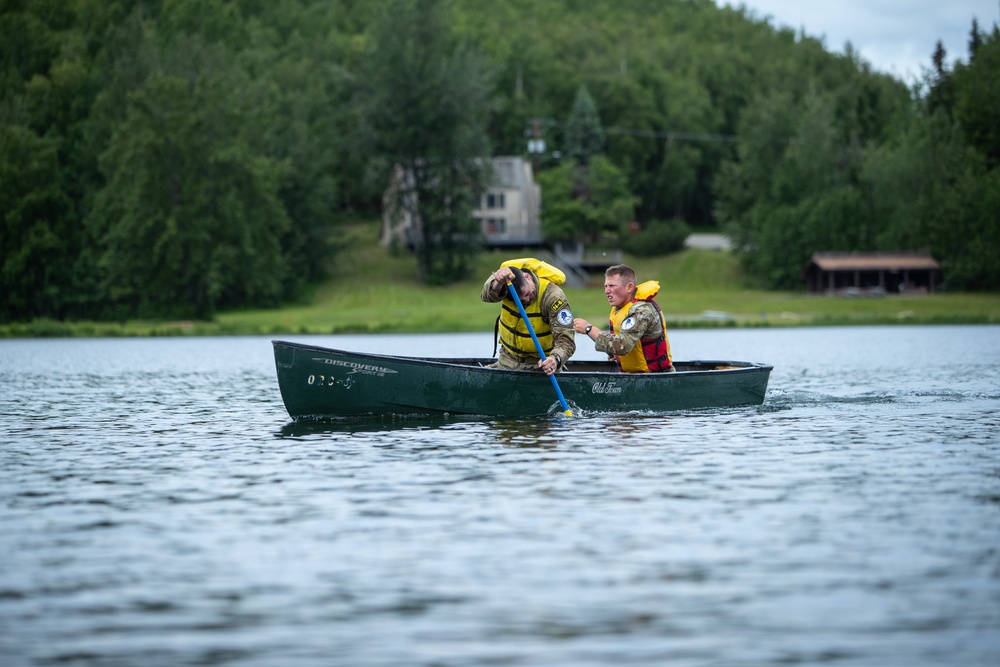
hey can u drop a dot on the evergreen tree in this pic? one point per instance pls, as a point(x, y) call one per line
point(975, 40)
point(584, 134)
point(586, 202)
point(977, 95)
point(941, 94)
point(586, 196)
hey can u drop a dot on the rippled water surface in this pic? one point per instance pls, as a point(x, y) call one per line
point(157, 507)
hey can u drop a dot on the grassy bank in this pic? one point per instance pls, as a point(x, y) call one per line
point(373, 290)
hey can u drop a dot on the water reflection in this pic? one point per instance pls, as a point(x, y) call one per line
point(515, 432)
point(366, 424)
point(526, 433)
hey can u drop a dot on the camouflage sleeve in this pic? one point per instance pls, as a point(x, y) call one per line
point(647, 325)
point(557, 313)
point(490, 296)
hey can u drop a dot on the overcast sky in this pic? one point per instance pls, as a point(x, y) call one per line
point(894, 36)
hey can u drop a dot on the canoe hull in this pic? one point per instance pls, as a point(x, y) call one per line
point(322, 383)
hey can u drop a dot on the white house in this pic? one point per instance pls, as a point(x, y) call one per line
point(509, 213)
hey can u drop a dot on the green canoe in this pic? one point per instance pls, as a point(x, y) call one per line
point(322, 383)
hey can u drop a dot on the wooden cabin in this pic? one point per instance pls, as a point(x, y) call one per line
point(872, 273)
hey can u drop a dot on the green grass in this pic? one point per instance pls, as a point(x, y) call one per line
point(374, 290)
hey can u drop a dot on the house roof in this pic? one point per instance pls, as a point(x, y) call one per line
point(509, 172)
point(873, 261)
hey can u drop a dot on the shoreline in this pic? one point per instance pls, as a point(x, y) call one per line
point(42, 329)
point(701, 289)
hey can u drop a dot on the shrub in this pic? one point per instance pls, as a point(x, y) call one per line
point(658, 238)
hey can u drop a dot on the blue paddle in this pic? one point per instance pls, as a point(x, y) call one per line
point(538, 346)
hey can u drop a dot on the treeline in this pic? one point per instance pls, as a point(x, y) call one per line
point(822, 171)
point(170, 158)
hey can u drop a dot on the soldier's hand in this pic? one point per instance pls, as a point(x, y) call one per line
point(549, 365)
point(502, 275)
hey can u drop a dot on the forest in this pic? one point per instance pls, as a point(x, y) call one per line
point(175, 158)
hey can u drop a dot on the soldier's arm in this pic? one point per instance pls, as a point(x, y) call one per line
point(491, 295)
point(622, 343)
point(559, 316)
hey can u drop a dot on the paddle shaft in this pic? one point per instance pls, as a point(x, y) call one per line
point(538, 346)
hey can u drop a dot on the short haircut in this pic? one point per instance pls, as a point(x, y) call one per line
point(520, 281)
point(623, 270)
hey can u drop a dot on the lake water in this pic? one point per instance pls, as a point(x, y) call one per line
point(158, 508)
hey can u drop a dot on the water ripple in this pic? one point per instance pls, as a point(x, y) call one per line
point(159, 508)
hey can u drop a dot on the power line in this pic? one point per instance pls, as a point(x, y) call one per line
point(672, 135)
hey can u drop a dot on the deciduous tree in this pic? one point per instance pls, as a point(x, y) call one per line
point(424, 103)
point(190, 219)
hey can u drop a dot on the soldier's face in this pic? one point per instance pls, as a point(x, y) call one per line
point(529, 292)
point(618, 290)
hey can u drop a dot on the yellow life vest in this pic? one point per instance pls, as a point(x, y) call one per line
point(650, 354)
point(514, 335)
point(539, 268)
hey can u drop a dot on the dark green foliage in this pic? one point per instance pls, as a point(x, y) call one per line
point(189, 219)
point(932, 191)
point(35, 226)
point(588, 202)
point(586, 196)
point(173, 157)
point(218, 180)
point(27, 45)
point(977, 96)
point(584, 134)
point(853, 170)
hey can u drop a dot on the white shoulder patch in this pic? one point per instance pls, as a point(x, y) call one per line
point(565, 317)
point(629, 323)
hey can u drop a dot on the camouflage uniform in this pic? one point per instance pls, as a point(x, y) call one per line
point(648, 325)
point(563, 336)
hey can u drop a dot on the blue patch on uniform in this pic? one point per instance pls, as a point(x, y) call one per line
point(565, 317)
point(629, 323)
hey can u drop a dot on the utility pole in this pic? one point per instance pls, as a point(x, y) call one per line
point(536, 145)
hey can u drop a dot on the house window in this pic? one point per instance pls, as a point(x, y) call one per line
point(496, 225)
point(495, 200)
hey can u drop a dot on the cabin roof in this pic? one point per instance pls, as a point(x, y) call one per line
point(873, 261)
